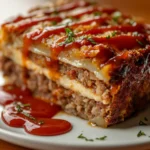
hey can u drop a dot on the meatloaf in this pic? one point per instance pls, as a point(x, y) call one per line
point(91, 60)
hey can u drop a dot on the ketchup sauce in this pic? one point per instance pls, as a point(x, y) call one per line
point(31, 22)
point(21, 109)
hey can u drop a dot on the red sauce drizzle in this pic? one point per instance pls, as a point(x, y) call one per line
point(34, 115)
point(39, 35)
point(117, 42)
point(33, 21)
point(121, 41)
point(99, 20)
point(65, 7)
point(56, 30)
point(45, 33)
point(123, 28)
point(16, 19)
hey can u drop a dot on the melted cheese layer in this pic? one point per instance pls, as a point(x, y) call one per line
point(68, 58)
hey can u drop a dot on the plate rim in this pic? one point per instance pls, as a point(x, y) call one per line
point(21, 136)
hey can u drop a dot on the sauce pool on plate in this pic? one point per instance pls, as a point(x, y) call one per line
point(21, 109)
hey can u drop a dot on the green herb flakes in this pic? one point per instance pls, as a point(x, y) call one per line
point(18, 108)
point(28, 116)
point(54, 22)
point(26, 105)
point(132, 22)
point(135, 33)
point(116, 16)
point(97, 13)
point(102, 138)
point(92, 41)
point(139, 42)
point(83, 137)
point(70, 36)
point(111, 35)
point(141, 133)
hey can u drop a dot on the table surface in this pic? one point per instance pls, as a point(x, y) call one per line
point(7, 146)
point(14, 8)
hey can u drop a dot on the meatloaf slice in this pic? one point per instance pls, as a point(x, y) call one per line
point(93, 61)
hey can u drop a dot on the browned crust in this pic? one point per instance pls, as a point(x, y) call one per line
point(133, 83)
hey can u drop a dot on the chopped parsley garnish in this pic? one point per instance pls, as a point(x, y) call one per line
point(26, 105)
point(92, 41)
point(141, 123)
point(102, 138)
point(18, 108)
point(67, 24)
point(28, 116)
point(135, 33)
point(116, 16)
point(111, 35)
point(141, 133)
point(54, 22)
point(83, 37)
point(108, 37)
point(70, 37)
point(69, 33)
point(81, 136)
point(132, 22)
point(97, 13)
point(139, 42)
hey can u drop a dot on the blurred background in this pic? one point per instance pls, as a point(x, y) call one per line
point(140, 8)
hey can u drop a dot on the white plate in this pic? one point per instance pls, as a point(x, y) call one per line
point(121, 136)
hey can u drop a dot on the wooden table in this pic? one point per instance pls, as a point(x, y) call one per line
point(7, 146)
